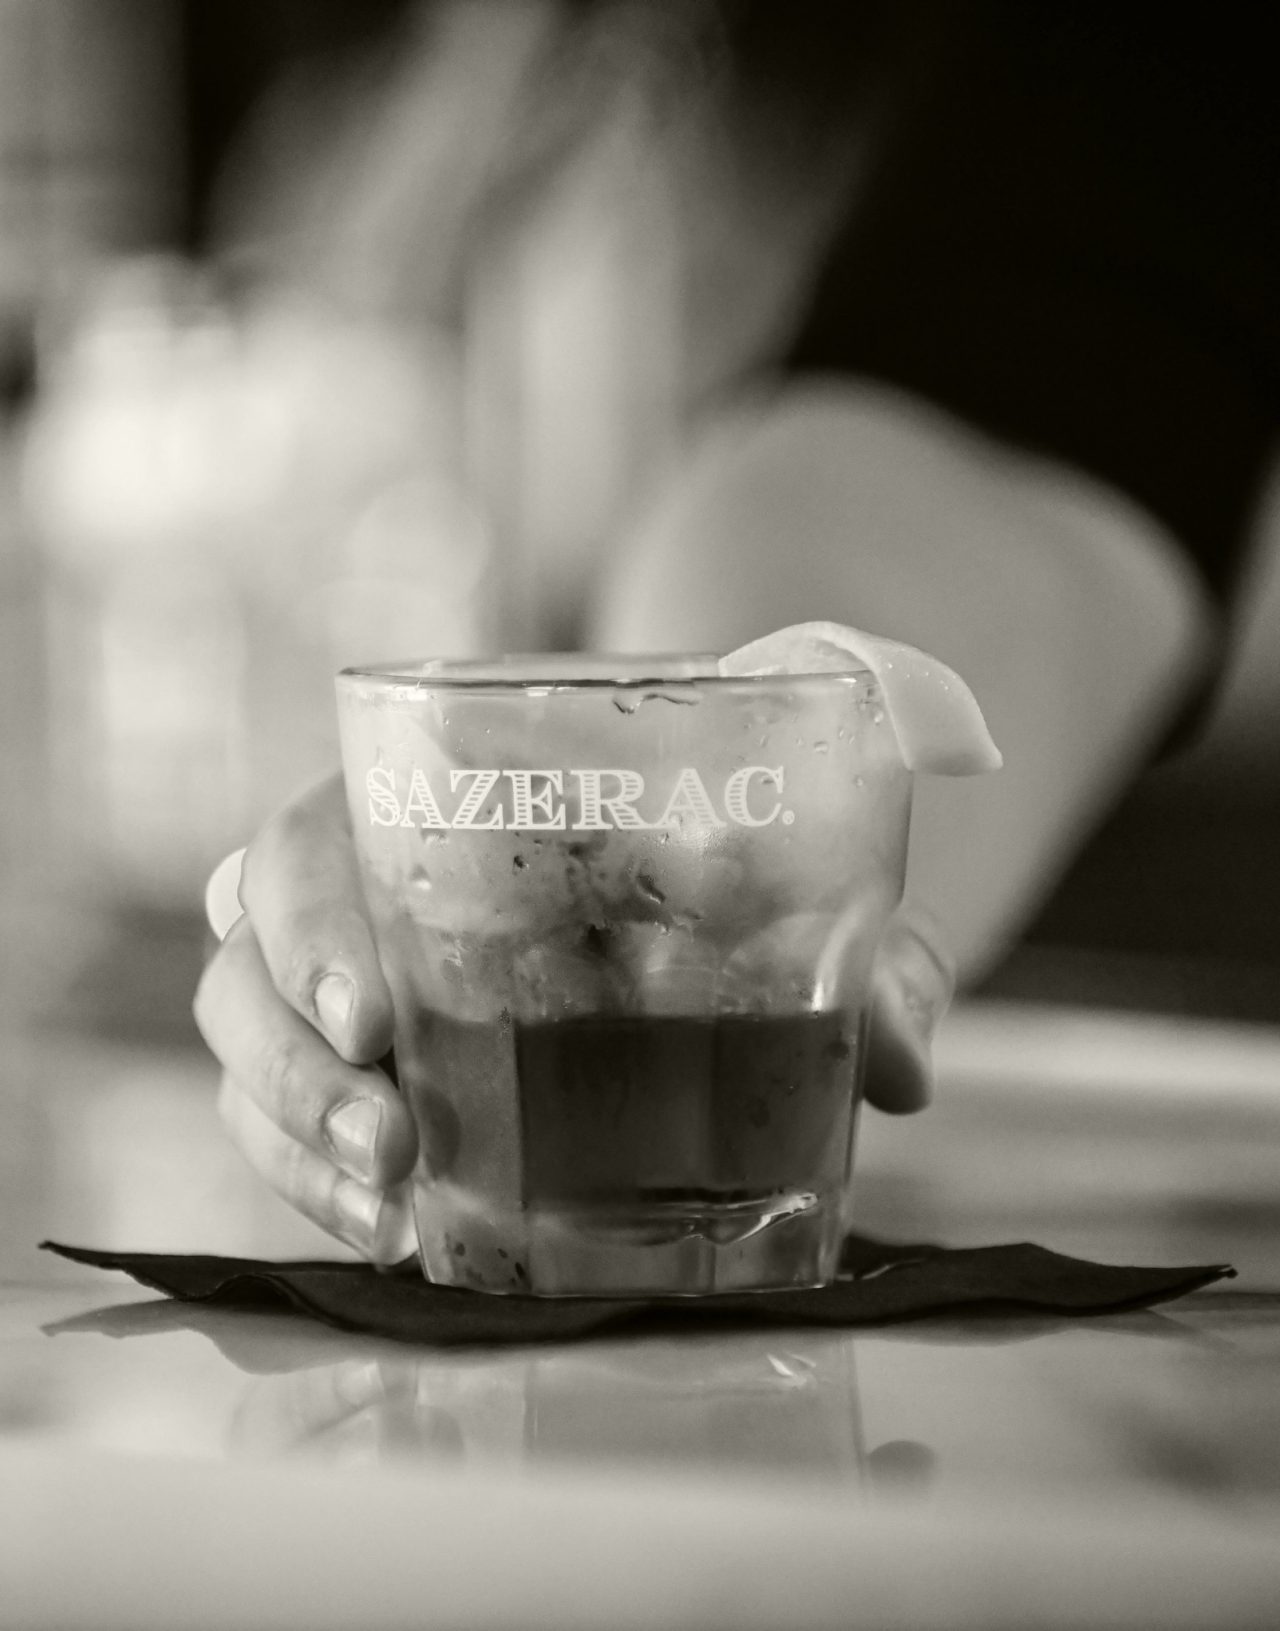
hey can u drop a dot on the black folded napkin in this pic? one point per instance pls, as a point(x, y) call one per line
point(878, 1282)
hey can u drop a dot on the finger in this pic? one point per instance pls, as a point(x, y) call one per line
point(350, 1115)
point(378, 1224)
point(301, 888)
point(278, 1415)
point(326, 1408)
point(911, 991)
point(293, 1410)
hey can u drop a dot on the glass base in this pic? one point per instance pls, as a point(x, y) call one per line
point(663, 1248)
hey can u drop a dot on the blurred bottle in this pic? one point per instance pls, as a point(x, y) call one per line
point(145, 649)
point(233, 501)
point(144, 659)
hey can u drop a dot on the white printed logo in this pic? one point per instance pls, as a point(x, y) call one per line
point(574, 800)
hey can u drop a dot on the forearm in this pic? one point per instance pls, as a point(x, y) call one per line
point(1065, 609)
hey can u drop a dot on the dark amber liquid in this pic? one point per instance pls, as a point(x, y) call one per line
point(632, 1154)
point(599, 1113)
point(681, 1111)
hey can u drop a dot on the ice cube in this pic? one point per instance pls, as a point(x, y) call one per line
point(671, 971)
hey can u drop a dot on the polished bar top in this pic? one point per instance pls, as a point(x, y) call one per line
point(165, 1464)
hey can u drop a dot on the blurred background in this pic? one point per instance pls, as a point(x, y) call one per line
point(320, 320)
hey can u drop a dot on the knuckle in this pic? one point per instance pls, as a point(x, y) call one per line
point(281, 1081)
point(322, 940)
point(281, 835)
point(295, 1094)
point(300, 968)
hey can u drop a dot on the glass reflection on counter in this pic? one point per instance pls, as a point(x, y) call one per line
point(935, 1411)
point(782, 1404)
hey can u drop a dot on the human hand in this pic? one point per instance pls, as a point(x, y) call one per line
point(296, 1010)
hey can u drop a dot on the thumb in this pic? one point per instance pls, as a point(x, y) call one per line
point(912, 986)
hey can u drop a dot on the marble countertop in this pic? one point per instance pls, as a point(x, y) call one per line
point(165, 1464)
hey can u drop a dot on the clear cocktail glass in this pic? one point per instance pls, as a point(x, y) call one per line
point(628, 911)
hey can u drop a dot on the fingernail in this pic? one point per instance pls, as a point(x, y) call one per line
point(334, 999)
point(923, 986)
point(397, 1235)
point(352, 1131)
point(922, 1009)
point(358, 1209)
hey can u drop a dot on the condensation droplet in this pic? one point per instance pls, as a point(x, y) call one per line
point(822, 747)
point(646, 886)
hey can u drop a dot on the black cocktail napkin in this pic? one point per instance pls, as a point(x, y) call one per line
point(878, 1283)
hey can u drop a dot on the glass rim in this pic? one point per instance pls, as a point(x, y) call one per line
point(639, 671)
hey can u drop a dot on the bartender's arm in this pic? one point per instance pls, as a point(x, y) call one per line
point(1069, 610)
